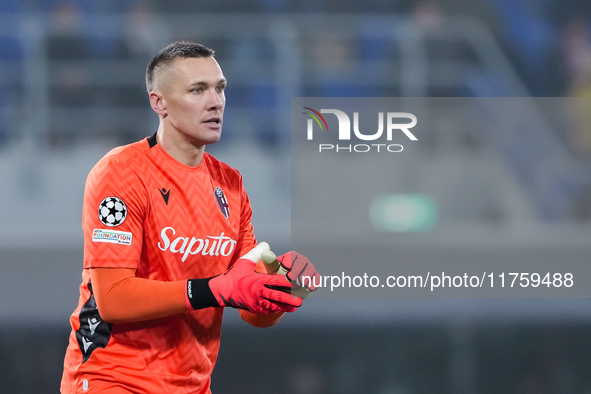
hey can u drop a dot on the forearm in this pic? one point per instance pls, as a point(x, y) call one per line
point(122, 297)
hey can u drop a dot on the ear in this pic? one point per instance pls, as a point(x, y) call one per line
point(157, 103)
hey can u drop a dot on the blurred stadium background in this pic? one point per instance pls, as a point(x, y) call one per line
point(71, 88)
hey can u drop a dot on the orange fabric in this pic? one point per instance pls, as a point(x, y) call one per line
point(122, 297)
point(181, 222)
point(261, 321)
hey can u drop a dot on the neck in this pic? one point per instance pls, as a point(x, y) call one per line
point(180, 148)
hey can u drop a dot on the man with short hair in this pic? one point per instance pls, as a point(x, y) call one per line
point(168, 242)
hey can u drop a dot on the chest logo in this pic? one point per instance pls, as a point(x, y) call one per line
point(165, 194)
point(210, 245)
point(222, 201)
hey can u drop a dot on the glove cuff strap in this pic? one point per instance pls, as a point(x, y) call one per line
point(199, 295)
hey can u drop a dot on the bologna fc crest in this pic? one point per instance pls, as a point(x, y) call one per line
point(222, 201)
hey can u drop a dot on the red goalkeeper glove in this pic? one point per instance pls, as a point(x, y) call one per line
point(296, 268)
point(300, 271)
point(241, 287)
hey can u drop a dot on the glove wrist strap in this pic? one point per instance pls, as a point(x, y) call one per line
point(199, 295)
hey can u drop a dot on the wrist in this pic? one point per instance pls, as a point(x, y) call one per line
point(198, 294)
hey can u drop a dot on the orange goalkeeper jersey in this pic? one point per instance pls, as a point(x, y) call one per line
point(145, 210)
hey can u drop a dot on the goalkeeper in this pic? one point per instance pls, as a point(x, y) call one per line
point(168, 242)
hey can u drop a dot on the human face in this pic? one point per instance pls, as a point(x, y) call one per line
point(193, 100)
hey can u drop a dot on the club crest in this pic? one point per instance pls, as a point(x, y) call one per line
point(222, 201)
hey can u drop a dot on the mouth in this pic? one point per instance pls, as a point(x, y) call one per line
point(213, 121)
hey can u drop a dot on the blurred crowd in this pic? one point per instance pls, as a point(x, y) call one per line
point(547, 41)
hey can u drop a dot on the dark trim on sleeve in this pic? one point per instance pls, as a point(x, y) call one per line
point(94, 332)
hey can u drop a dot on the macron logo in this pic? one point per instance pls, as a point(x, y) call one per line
point(86, 343)
point(165, 194)
point(93, 324)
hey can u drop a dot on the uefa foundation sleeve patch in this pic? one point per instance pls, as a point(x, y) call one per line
point(113, 237)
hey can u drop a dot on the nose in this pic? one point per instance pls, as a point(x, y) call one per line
point(215, 100)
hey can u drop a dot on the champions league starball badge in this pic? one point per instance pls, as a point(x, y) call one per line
point(112, 211)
